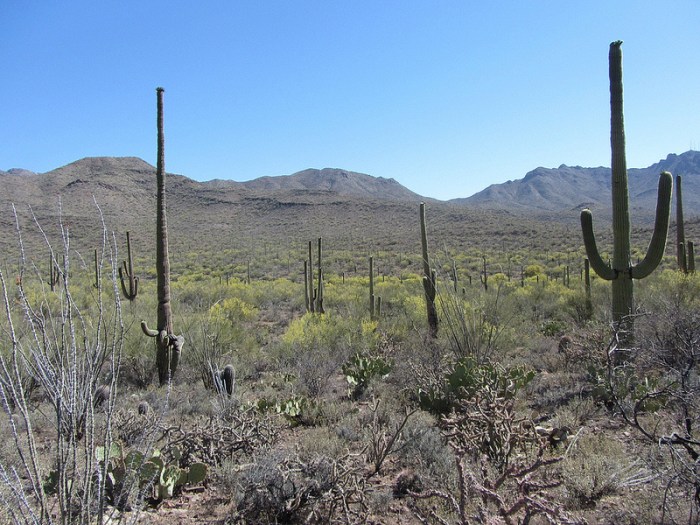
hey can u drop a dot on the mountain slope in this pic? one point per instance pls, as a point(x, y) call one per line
point(337, 181)
point(310, 201)
point(572, 187)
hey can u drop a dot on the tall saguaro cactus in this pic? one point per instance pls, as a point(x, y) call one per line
point(319, 292)
point(168, 345)
point(621, 271)
point(429, 276)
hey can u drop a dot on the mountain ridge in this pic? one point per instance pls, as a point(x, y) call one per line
point(568, 188)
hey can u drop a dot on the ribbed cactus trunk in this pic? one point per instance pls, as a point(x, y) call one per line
point(429, 277)
point(621, 271)
point(622, 287)
point(168, 346)
point(319, 291)
point(681, 252)
point(312, 293)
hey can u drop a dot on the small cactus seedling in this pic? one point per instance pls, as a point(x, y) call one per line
point(127, 269)
point(621, 271)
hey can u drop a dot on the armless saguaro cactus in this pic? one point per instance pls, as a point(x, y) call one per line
point(310, 281)
point(621, 271)
point(168, 345)
point(429, 277)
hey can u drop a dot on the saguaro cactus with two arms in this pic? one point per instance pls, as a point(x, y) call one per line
point(621, 271)
point(168, 345)
point(127, 270)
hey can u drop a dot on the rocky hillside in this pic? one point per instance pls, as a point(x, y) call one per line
point(570, 188)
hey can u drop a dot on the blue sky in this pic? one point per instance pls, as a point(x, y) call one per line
point(446, 97)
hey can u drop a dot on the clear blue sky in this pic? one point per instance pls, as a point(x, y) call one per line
point(446, 97)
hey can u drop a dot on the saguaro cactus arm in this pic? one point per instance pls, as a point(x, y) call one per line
point(657, 245)
point(599, 266)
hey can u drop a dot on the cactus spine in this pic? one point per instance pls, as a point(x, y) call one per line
point(621, 272)
point(429, 277)
point(168, 345)
point(127, 269)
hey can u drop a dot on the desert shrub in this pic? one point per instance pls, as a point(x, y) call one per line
point(426, 451)
point(502, 466)
point(210, 345)
point(597, 466)
point(465, 379)
point(320, 485)
point(315, 346)
point(654, 389)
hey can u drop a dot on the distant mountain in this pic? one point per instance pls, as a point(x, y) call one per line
point(570, 188)
point(120, 173)
point(125, 188)
point(336, 181)
point(347, 209)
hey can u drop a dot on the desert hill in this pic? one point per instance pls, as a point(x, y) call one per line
point(344, 207)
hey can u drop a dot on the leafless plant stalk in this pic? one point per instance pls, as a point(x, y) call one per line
point(72, 355)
